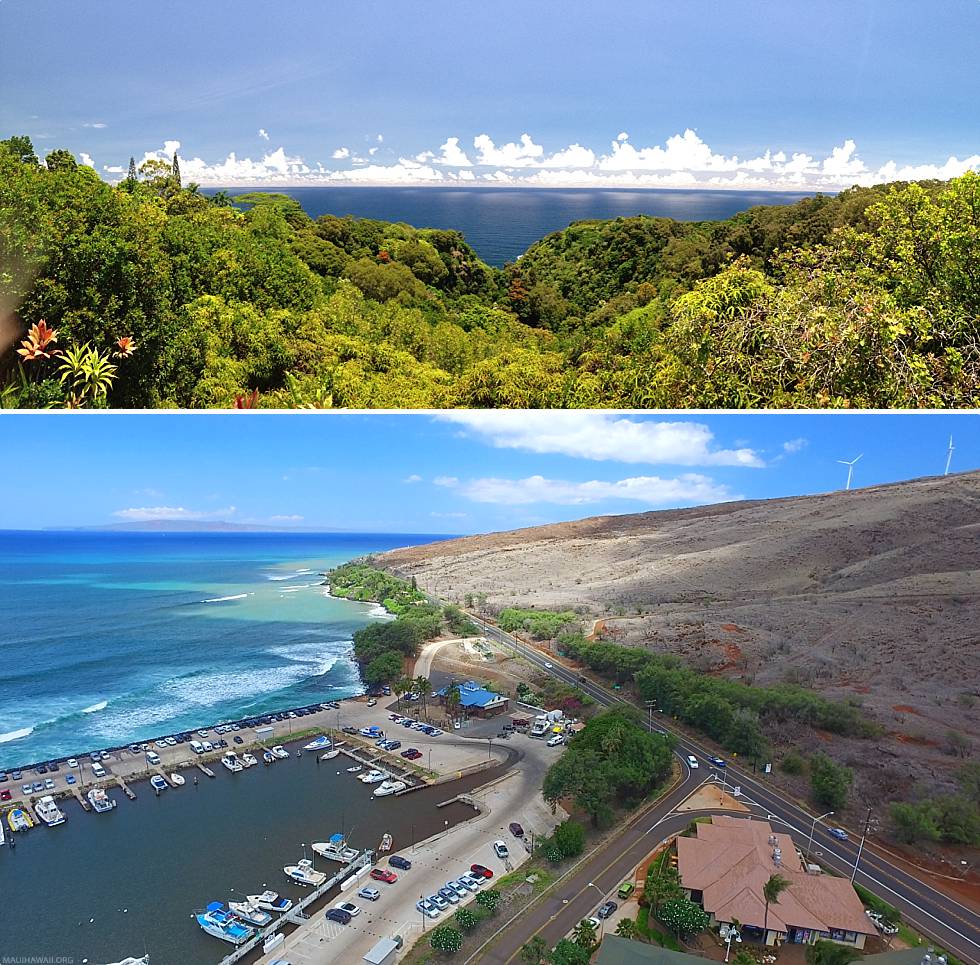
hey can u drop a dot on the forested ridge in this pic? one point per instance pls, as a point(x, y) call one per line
point(150, 294)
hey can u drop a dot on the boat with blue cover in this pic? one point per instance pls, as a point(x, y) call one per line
point(218, 921)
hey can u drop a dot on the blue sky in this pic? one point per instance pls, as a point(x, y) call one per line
point(639, 92)
point(453, 473)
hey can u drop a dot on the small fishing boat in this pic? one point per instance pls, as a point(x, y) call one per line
point(19, 820)
point(48, 811)
point(335, 849)
point(231, 762)
point(385, 842)
point(248, 760)
point(389, 787)
point(268, 756)
point(318, 743)
point(303, 873)
point(177, 780)
point(158, 783)
point(354, 769)
point(99, 800)
point(270, 901)
point(249, 913)
point(218, 921)
point(330, 755)
point(280, 752)
point(373, 777)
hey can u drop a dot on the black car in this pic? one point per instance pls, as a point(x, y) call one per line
point(349, 730)
point(238, 740)
point(338, 915)
point(41, 769)
point(222, 743)
point(607, 909)
point(54, 767)
point(397, 861)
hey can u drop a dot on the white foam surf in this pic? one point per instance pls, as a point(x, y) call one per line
point(101, 705)
point(14, 735)
point(225, 599)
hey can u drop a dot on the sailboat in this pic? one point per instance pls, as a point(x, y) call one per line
point(330, 755)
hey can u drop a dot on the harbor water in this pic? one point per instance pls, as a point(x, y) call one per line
point(104, 886)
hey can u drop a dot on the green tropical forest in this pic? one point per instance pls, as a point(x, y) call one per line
point(151, 294)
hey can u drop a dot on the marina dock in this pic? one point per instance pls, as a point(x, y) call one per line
point(126, 789)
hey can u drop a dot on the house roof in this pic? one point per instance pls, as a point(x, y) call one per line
point(471, 694)
point(620, 951)
point(730, 861)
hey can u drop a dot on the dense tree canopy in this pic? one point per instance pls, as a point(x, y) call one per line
point(870, 298)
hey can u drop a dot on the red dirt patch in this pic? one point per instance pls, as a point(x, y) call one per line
point(920, 741)
point(905, 709)
point(732, 628)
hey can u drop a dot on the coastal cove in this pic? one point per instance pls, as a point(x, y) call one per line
point(134, 635)
point(501, 223)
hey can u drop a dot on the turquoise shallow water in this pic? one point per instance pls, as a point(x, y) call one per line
point(110, 638)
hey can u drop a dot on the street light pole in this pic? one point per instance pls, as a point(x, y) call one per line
point(813, 826)
point(602, 920)
point(733, 935)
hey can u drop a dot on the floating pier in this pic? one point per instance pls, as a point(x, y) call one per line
point(126, 789)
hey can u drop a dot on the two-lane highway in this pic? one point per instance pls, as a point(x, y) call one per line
point(937, 915)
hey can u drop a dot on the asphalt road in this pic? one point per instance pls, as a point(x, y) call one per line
point(937, 915)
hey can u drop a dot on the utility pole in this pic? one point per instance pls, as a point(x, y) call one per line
point(864, 835)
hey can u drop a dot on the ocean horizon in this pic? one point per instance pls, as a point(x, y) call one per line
point(501, 222)
point(116, 637)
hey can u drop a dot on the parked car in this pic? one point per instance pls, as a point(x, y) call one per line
point(427, 908)
point(607, 909)
point(439, 902)
point(5, 794)
point(238, 740)
point(516, 830)
point(838, 833)
point(626, 889)
point(3, 777)
point(383, 874)
point(349, 730)
point(555, 740)
point(500, 850)
point(349, 907)
point(371, 894)
point(480, 871)
point(469, 882)
point(338, 915)
point(461, 890)
point(372, 703)
point(48, 784)
point(449, 894)
point(69, 778)
point(392, 745)
point(593, 921)
point(397, 861)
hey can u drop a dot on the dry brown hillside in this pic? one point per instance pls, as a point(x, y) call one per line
point(873, 593)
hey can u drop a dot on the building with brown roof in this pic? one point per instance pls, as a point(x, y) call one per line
point(725, 866)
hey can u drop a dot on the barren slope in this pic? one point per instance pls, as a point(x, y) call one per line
point(873, 592)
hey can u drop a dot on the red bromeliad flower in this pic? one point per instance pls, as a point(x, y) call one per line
point(38, 342)
point(250, 401)
point(127, 345)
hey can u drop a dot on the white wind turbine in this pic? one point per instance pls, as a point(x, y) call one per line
point(850, 468)
point(949, 456)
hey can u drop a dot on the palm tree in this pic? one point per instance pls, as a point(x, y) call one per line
point(534, 950)
point(401, 687)
point(452, 701)
point(585, 937)
point(424, 688)
point(771, 891)
point(626, 928)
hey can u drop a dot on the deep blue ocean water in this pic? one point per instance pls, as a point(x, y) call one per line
point(109, 638)
point(502, 223)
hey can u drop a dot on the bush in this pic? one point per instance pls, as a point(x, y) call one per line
point(446, 939)
point(829, 781)
point(490, 900)
point(872, 901)
point(540, 624)
point(569, 837)
point(792, 763)
point(683, 917)
point(466, 919)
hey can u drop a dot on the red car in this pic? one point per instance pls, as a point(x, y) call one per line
point(478, 869)
point(4, 795)
point(382, 874)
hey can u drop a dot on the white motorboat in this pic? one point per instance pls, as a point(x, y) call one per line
point(248, 760)
point(354, 769)
point(385, 842)
point(249, 913)
point(330, 755)
point(217, 921)
point(48, 811)
point(335, 849)
point(318, 743)
point(232, 763)
point(270, 901)
point(373, 777)
point(99, 800)
point(177, 779)
point(389, 787)
point(268, 757)
point(280, 752)
point(303, 873)
point(159, 783)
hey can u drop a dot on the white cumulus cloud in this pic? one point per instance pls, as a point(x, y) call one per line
point(264, 134)
point(452, 154)
point(690, 488)
point(602, 436)
point(341, 153)
point(413, 478)
point(97, 125)
point(510, 155)
point(794, 445)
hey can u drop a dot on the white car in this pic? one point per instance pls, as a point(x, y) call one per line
point(458, 888)
point(555, 740)
point(500, 850)
point(692, 762)
point(349, 907)
point(548, 666)
point(72, 762)
point(372, 894)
